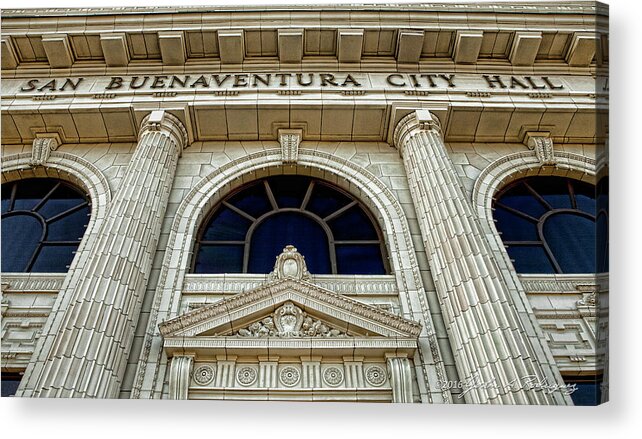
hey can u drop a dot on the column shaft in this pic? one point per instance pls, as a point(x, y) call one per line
point(493, 354)
point(89, 352)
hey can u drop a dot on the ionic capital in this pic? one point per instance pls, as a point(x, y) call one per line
point(413, 123)
point(161, 120)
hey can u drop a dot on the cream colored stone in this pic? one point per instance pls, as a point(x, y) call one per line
point(409, 45)
point(115, 50)
point(231, 46)
point(58, 51)
point(349, 45)
point(582, 49)
point(467, 46)
point(172, 48)
point(290, 45)
point(525, 48)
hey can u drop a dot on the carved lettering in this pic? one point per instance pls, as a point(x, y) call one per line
point(159, 81)
point(351, 80)
point(396, 80)
point(494, 81)
point(134, 85)
point(72, 84)
point(175, 79)
point(327, 78)
point(51, 86)
point(264, 80)
point(116, 82)
point(202, 81)
point(31, 85)
point(240, 81)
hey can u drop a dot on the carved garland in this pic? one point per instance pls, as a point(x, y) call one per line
point(289, 321)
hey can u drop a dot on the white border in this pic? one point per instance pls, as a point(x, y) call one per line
point(146, 419)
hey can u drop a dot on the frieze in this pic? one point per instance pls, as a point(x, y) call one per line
point(346, 285)
point(33, 282)
point(286, 83)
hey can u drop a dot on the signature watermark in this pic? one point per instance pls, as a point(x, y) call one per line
point(528, 382)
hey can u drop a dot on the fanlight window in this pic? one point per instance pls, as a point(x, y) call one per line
point(43, 221)
point(249, 229)
point(548, 225)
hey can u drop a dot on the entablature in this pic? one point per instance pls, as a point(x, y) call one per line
point(337, 106)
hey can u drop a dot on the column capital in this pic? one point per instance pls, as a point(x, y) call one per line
point(418, 120)
point(161, 120)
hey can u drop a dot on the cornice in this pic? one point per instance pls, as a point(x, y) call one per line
point(581, 7)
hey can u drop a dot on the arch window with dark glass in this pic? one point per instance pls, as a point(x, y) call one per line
point(548, 225)
point(249, 229)
point(43, 221)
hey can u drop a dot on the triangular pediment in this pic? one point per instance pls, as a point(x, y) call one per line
point(289, 308)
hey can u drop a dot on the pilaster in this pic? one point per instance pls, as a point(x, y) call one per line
point(494, 355)
point(179, 376)
point(400, 378)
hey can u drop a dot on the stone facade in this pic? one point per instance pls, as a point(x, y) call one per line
point(422, 113)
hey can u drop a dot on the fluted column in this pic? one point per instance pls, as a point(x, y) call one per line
point(493, 354)
point(89, 352)
point(179, 376)
point(400, 378)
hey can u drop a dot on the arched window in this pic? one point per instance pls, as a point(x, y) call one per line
point(249, 229)
point(43, 221)
point(548, 224)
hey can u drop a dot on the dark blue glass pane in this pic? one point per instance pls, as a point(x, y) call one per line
point(32, 191)
point(6, 196)
point(226, 225)
point(54, 258)
point(219, 259)
point(9, 386)
point(289, 190)
point(281, 229)
point(70, 227)
point(602, 243)
point(353, 224)
point(571, 238)
point(252, 200)
point(514, 227)
point(325, 200)
point(553, 189)
point(530, 259)
point(602, 190)
point(584, 197)
point(20, 237)
point(586, 393)
point(63, 198)
point(520, 198)
point(359, 259)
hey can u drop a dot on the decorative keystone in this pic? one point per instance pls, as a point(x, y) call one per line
point(41, 148)
point(542, 144)
point(290, 140)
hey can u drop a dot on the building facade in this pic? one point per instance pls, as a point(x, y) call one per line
point(390, 203)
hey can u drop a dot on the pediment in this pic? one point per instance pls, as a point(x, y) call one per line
point(289, 308)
